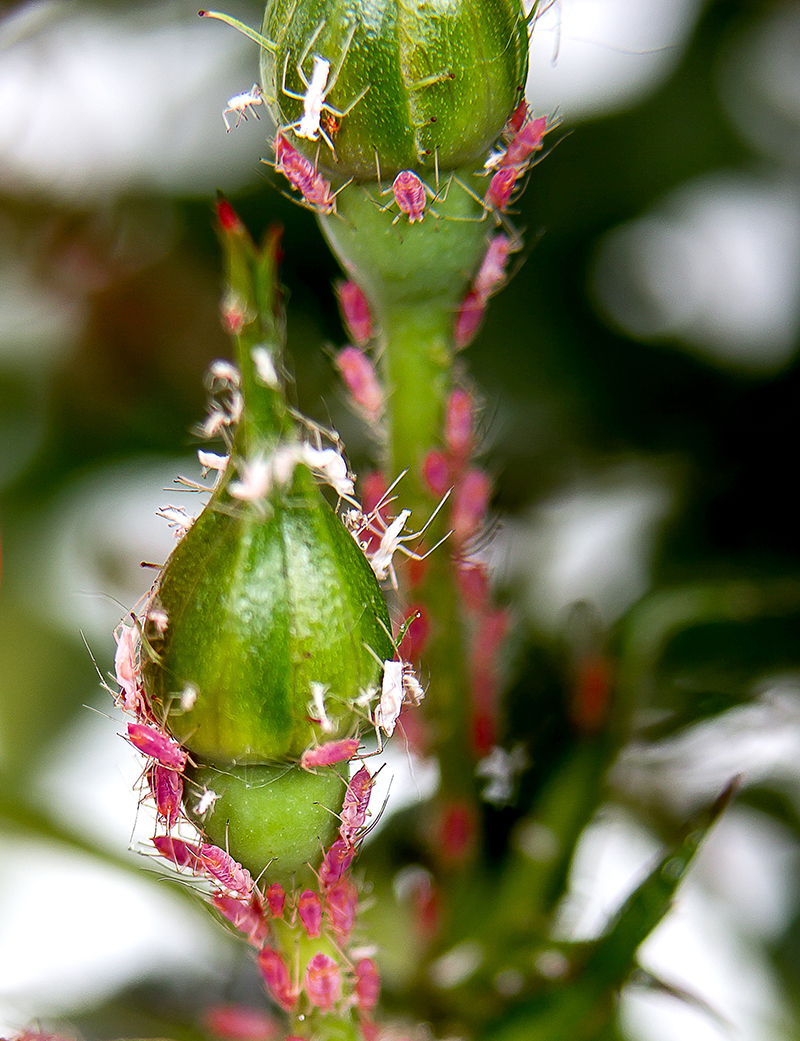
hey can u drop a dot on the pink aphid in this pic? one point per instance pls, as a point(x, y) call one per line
point(501, 186)
point(491, 273)
point(310, 911)
point(358, 373)
point(323, 981)
point(516, 121)
point(166, 786)
point(329, 753)
point(468, 320)
point(126, 666)
point(276, 976)
point(178, 852)
point(341, 905)
point(355, 311)
point(356, 801)
point(157, 745)
point(224, 869)
point(410, 195)
point(436, 471)
point(336, 861)
point(528, 140)
point(459, 429)
point(276, 899)
point(470, 503)
point(239, 1023)
point(245, 915)
point(368, 984)
point(301, 175)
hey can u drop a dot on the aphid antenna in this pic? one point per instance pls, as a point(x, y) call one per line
point(262, 872)
point(262, 41)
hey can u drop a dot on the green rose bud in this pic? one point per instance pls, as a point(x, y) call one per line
point(267, 622)
point(412, 82)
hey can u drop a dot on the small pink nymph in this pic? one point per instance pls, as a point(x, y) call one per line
point(409, 194)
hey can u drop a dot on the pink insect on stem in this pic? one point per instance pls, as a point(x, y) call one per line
point(527, 141)
point(436, 472)
point(459, 428)
point(310, 911)
point(410, 195)
point(240, 1023)
point(323, 981)
point(336, 862)
point(341, 907)
point(358, 373)
point(470, 503)
point(354, 807)
point(224, 869)
point(367, 985)
point(329, 753)
point(245, 915)
point(501, 187)
point(181, 854)
point(491, 273)
point(157, 745)
point(276, 899)
point(468, 320)
point(518, 118)
point(302, 176)
point(276, 976)
point(166, 787)
point(126, 666)
point(355, 311)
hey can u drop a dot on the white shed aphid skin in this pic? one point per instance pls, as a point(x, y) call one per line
point(224, 372)
point(398, 686)
point(177, 518)
point(206, 801)
point(255, 479)
point(309, 126)
point(188, 697)
point(265, 367)
point(330, 465)
point(240, 103)
point(392, 539)
point(211, 461)
point(500, 769)
point(317, 706)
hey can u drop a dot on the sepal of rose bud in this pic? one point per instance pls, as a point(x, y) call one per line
point(432, 82)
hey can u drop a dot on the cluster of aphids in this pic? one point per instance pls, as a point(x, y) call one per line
point(331, 911)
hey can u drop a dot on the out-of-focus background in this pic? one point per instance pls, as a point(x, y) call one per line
point(641, 387)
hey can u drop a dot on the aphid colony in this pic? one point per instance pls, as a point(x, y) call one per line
point(329, 912)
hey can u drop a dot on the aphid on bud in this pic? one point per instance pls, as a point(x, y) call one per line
point(341, 906)
point(524, 143)
point(166, 787)
point(240, 103)
point(300, 173)
point(157, 745)
point(501, 187)
point(323, 981)
point(178, 852)
point(222, 867)
point(356, 801)
point(330, 753)
point(367, 985)
point(276, 899)
point(410, 194)
point(310, 911)
point(518, 118)
point(335, 863)
point(276, 976)
point(245, 915)
point(126, 666)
